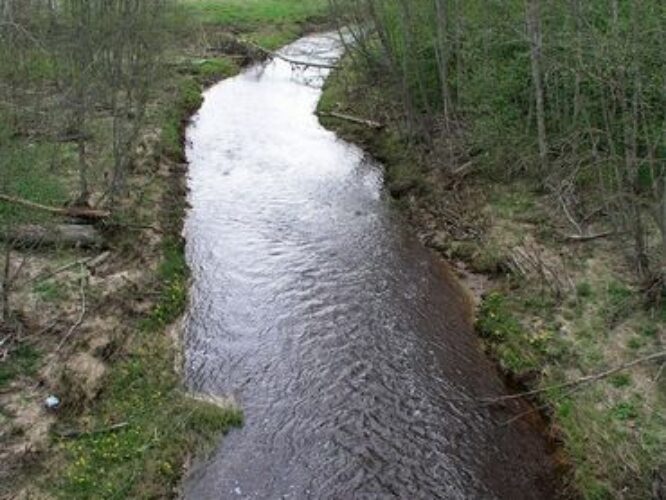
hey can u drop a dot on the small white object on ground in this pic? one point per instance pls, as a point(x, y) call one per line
point(52, 402)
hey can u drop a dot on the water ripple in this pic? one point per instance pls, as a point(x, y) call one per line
point(346, 343)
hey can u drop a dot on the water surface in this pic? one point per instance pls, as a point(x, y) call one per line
point(345, 342)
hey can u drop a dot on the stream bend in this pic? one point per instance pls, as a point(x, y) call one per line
point(344, 341)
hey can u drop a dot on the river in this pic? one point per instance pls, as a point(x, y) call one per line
point(347, 344)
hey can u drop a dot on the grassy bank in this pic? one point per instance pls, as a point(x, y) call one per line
point(125, 427)
point(555, 311)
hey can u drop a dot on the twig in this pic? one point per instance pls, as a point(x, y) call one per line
point(659, 374)
point(541, 407)
point(579, 238)
point(569, 216)
point(578, 382)
point(105, 430)
point(353, 119)
point(463, 170)
point(139, 227)
point(75, 212)
point(66, 267)
point(81, 315)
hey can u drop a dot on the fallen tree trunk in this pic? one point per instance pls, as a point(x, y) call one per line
point(66, 235)
point(577, 238)
point(295, 62)
point(73, 212)
point(352, 119)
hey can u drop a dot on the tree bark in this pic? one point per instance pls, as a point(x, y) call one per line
point(65, 235)
point(443, 54)
point(533, 13)
point(4, 285)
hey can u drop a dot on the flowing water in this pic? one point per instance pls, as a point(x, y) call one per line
point(345, 342)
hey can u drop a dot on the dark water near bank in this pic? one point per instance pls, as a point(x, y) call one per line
point(341, 337)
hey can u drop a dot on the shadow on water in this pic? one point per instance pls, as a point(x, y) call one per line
point(345, 342)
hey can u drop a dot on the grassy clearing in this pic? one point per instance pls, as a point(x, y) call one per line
point(270, 23)
point(614, 431)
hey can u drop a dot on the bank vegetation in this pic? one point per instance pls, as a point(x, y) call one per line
point(94, 97)
point(527, 141)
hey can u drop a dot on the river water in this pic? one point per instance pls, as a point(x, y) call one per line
point(346, 343)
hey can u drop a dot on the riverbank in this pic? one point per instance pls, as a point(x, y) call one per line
point(552, 310)
point(99, 328)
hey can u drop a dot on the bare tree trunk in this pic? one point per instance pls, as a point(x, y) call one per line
point(443, 55)
point(5, 285)
point(533, 12)
point(578, 20)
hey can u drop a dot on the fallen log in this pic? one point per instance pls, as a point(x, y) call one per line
point(352, 119)
point(578, 238)
point(73, 212)
point(66, 235)
point(295, 62)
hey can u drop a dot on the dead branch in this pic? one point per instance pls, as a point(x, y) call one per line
point(277, 55)
point(569, 216)
point(352, 119)
point(588, 379)
point(73, 212)
point(76, 434)
point(79, 321)
point(463, 170)
point(5, 285)
point(90, 262)
point(576, 238)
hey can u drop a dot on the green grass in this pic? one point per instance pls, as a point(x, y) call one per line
point(36, 172)
point(173, 273)
point(252, 13)
point(143, 460)
point(271, 23)
point(505, 337)
point(48, 291)
point(24, 361)
point(187, 99)
point(215, 68)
